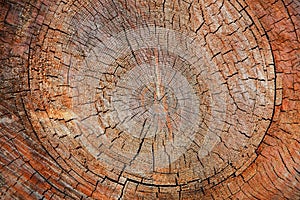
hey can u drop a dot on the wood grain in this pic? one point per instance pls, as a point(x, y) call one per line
point(149, 99)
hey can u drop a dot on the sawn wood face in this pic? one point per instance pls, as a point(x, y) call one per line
point(149, 99)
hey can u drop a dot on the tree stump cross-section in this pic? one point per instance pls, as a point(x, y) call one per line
point(149, 99)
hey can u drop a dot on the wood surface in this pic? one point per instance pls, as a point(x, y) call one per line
point(133, 99)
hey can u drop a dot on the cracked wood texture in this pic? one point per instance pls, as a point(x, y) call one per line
point(131, 99)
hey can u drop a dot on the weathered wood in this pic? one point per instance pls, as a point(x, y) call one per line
point(149, 99)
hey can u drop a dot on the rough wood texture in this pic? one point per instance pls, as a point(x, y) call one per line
point(150, 99)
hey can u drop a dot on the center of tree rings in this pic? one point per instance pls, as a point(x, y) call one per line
point(152, 100)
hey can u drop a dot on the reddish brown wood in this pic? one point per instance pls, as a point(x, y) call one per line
point(149, 99)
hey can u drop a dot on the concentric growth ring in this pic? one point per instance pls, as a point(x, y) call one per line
point(162, 100)
point(153, 103)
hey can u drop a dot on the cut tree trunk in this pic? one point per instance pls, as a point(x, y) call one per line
point(150, 99)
